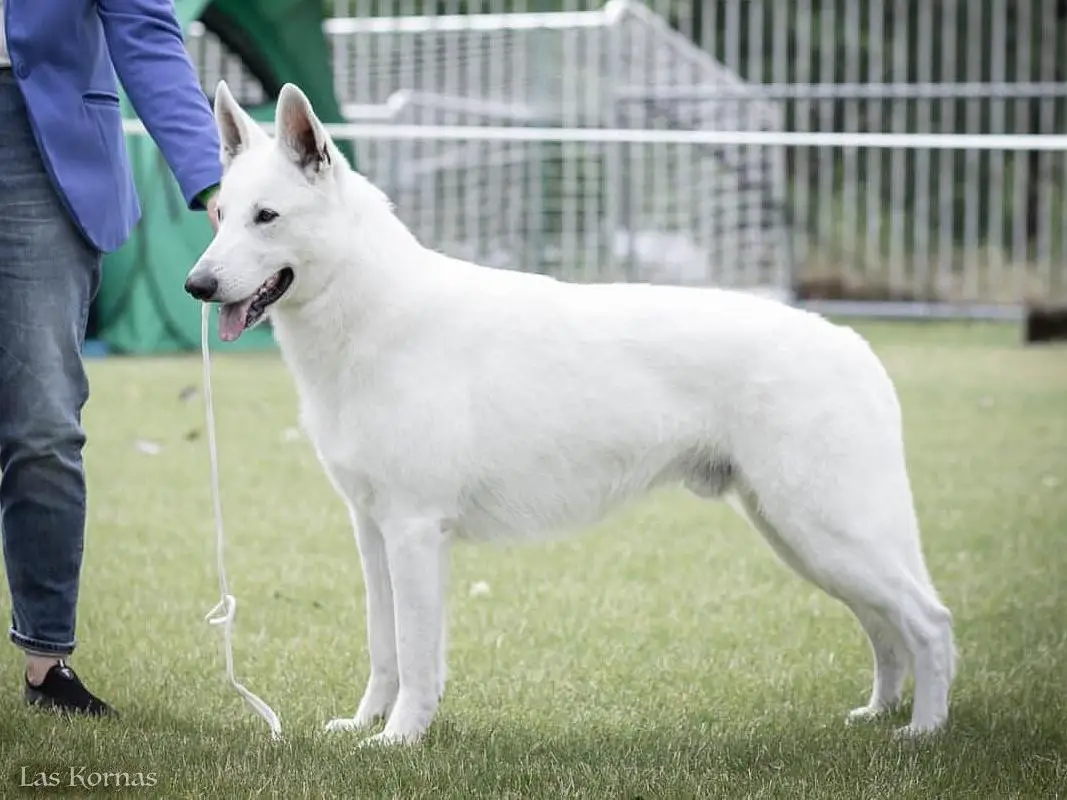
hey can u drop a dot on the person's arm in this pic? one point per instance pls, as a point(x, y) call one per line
point(146, 47)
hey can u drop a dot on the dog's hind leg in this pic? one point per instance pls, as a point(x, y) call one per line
point(384, 683)
point(415, 547)
point(890, 664)
point(876, 572)
point(891, 657)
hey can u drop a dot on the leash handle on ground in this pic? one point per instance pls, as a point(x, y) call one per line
point(223, 614)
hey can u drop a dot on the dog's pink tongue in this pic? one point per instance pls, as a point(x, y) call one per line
point(232, 320)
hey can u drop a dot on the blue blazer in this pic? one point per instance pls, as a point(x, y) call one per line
point(65, 55)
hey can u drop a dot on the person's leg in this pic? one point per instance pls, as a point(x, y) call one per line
point(48, 276)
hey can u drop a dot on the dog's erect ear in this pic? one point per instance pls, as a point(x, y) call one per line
point(300, 132)
point(237, 130)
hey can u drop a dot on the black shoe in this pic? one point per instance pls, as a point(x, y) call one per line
point(63, 691)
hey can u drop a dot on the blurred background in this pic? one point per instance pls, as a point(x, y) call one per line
point(887, 157)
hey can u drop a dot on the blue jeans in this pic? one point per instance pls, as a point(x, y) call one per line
point(49, 274)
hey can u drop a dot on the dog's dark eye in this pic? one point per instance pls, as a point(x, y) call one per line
point(265, 215)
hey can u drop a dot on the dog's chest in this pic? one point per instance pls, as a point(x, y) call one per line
point(327, 422)
point(356, 434)
point(327, 416)
point(338, 449)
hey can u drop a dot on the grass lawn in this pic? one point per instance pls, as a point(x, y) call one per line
point(666, 653)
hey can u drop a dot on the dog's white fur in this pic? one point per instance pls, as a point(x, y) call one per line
point(448, 400)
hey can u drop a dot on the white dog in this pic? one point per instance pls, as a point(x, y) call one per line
point(448, 400)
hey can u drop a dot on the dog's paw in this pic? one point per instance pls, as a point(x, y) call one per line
point(377, 702)
point(343, 724)
point(915, 733)
point(408, 721)
point(863, 714)
point(389, 738)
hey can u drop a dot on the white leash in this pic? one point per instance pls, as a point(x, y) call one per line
point(223, 613)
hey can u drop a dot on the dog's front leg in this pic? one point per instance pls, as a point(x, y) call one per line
point(415, 547)
point(380, 694)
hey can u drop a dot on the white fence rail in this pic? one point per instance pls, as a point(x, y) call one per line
point(892, 150)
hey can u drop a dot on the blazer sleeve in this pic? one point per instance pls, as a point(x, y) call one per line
point(147, 49)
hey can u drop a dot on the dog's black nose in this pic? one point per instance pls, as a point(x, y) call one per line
point(202, 287)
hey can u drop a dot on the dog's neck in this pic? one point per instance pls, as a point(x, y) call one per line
point(376, 281)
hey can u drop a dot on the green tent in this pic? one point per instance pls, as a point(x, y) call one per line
point(141, 307)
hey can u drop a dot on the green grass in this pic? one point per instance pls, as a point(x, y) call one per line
point(664, 654)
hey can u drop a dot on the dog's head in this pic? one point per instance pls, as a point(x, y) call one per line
point(277, 202)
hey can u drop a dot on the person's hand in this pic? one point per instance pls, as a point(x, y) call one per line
point(213, 211)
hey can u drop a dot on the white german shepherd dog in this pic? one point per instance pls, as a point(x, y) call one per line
point(452, 401)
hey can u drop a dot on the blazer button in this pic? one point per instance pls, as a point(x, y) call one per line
point(21, 69)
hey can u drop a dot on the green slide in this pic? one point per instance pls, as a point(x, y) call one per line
point(141, 307)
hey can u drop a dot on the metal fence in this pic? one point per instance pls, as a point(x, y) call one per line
point(899, 221)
